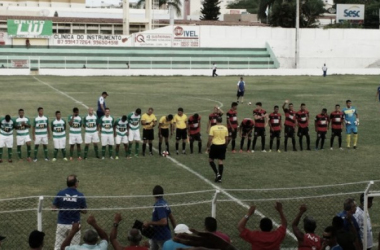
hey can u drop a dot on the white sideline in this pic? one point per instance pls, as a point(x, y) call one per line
point(184, 167)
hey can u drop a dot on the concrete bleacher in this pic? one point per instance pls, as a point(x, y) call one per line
point(71, 57)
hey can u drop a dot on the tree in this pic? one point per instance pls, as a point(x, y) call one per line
point(252, 6)
point(175, 4)
point(210, 10)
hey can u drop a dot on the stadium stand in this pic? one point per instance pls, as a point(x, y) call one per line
point(139, 58)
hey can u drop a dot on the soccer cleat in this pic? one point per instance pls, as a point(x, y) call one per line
point(35, 160)
point(1, 160)
point(46, 159)
point(278, 151)
point(183, 152)
point(331, 149)
point(71, 158)
point(252, 151)
point(316, 149)
point(348, 147)
point(116, 157)
point(10, 160)
point(354, 147)
point(248, 151)
point(233, 151)
point(29, 159)
point(65, 159)
point(79, 158)
point(54, 159)
point(341, 148)
point(240, 151)
point(103, 158)
point(264, 151)
point(218, 178)
point(111, 158)
point(177, 152)
point(151, 153)
point(136, 155)
point(270, 150)
point(129, 157)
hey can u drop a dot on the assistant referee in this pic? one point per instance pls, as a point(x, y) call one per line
point(218, 136)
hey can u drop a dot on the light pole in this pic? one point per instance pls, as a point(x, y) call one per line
point(296, 56)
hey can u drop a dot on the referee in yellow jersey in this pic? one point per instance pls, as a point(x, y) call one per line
point(148, 121)
point(218, 138)
point(163, 131)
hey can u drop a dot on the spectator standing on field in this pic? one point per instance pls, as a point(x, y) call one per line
point(90, 237)
point(324, 69)
point(359, 216)
point(214, 70)
point(265, 239)
point(240, 90)
point(36, 240)
point(102, 105)
point(160, 220)
point(69, 198)
point(134, 237)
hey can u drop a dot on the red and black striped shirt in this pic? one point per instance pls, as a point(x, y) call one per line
point(290, 118)
point(275, 121)
point(212, 117)
point(232, 117)
point(247, 124)
point(336, 119)
point(322, 121)
point(260, 120)
point(194, 125)
point(303, 118)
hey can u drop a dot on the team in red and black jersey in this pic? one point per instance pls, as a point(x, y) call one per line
point(321, 126)
point(218, 112)
point(302, 117)
point(245, 131)
point(337, 123)
point(275, 128)
point(194, 131)
point(232, 125)
point(289, 124)
point(260, 116)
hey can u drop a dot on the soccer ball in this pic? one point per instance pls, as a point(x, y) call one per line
point(165, 153)
point(250, 103)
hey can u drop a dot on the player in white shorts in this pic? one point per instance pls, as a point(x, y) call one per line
point(41, 133)
point(6, 136)
point(90, 123)
point(22, 134)
point(121, 135)
point(134, 119)
point(58, 127)
point(106, 129)
point(75, 134)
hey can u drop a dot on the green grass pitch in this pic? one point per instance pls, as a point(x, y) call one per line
point(138, 175)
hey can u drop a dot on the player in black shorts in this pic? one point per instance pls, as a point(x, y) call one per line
point(164, 125)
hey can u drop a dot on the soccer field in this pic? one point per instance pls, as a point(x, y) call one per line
point(137, 176)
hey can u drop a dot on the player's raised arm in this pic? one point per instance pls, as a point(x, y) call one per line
point(284, 105)
point(220, 111)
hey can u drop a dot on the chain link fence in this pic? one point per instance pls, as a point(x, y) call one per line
point(20, 216)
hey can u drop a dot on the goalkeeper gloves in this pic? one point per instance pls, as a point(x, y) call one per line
point(357, 122)
point(348, 122)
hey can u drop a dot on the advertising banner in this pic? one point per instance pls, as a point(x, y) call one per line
point(186, 36)
point(153, 40)
point(91, 40)
point(349, 12)
point(20, 63)
point(30, 28)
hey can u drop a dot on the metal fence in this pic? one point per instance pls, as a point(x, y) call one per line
point(20, 216)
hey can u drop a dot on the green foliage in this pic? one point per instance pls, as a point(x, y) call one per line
point(252, 6)
point(283, 13)
point(210, 10)
point(344, 25)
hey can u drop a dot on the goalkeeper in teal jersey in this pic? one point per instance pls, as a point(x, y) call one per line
point(351, 119)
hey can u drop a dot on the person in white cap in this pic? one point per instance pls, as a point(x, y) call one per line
point(172, 245)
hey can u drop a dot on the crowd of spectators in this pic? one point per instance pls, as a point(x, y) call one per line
point(345, 232)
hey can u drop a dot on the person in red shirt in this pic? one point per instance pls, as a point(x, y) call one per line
point(261, 121)
point(211, 226)
point(245, 131)
point(218, 112)
point(321, 126)
point(275, 128)
point(337, 123)
point(265, 239)
point(302, 117)
point(194, 131)
point(134, 237)
point(290, 124)
point(308, 240)
point(232, 125)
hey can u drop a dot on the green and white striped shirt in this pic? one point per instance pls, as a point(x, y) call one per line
point(106, 124)
point(20, 129)
point(6, 128)
point(76, 127)
point(41, 125)
point(59, 128)
point(90, 123)
point(121, 127)
point(134, 121)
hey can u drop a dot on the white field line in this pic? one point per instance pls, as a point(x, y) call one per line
point(184, 166)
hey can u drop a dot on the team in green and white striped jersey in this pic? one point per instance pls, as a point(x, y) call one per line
point(107, 133)
point(121, 135)
point(75, 135)
point(22, 133)
point(91, 135)
point(58, 127)
point(41, 133)
point(6, 136)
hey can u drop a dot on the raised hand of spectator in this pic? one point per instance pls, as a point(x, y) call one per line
point(91, 220)
point(118, 218)
point(251, 210)
point(303, 208)
point(203, 239)
point(278, 206)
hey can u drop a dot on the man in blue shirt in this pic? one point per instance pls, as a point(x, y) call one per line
point(101, 105)
point(351, 119)
point(240, 90)
point(160, 216)
point(70, 203)
point(378, 93)
point(349, 209)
